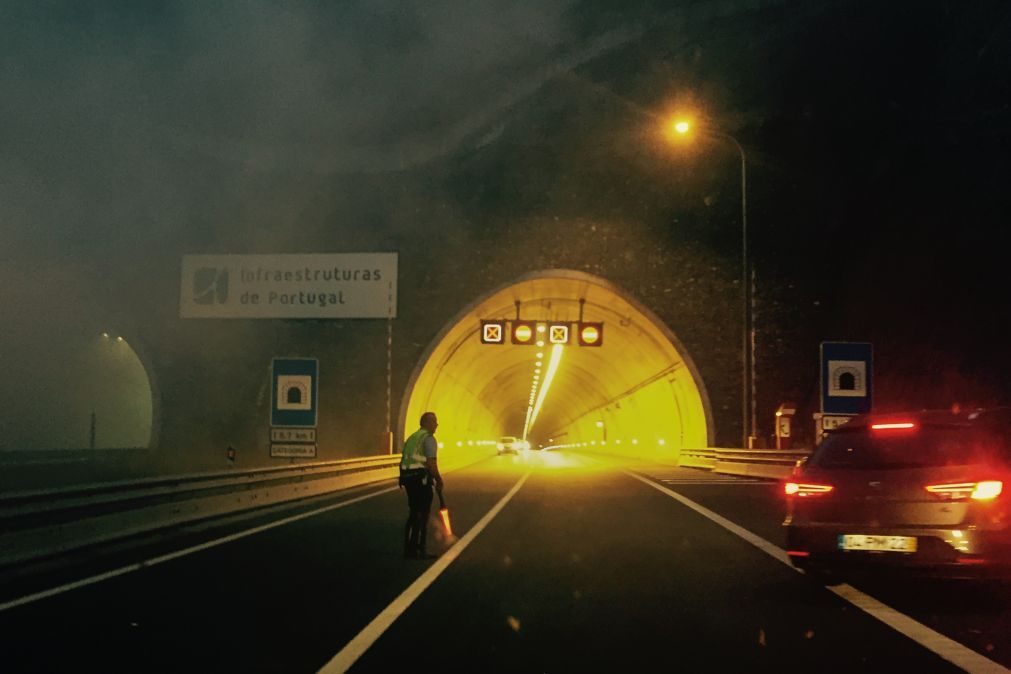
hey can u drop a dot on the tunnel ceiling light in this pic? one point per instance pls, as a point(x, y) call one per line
point(105, 335)
point(540, 355)
point(541, 327)
point(556, 358)
point(540, 343)
point(493, 332)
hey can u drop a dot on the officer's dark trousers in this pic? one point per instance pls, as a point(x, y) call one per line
point(419, 500)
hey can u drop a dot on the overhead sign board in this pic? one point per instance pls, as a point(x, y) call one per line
point(293, 392)
point(846, 377)
point(322, 285)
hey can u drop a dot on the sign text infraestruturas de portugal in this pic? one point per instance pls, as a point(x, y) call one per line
point(317, 285)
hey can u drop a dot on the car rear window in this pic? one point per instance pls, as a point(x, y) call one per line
point(922, 447)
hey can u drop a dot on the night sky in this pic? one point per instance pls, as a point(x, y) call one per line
point(878, 136)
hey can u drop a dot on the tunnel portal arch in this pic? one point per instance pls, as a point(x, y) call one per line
point(638, 394)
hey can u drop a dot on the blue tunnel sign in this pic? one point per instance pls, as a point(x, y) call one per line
point(846, 374)
point(293, 392)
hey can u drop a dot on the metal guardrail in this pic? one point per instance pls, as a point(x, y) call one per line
point(42, 523)
point(774, 464)
point(697, 458)
point(43, 500)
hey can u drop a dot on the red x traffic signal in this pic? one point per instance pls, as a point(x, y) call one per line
point(493, 332)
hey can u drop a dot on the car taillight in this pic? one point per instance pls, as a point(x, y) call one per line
point(978, 491)
point(805, 490)
point(897, 426)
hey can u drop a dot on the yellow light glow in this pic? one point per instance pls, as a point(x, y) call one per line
point(444, 514)
point(476, 393)
point(541, 327)
point(682, 126)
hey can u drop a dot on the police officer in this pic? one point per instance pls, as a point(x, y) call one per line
point(419, 472)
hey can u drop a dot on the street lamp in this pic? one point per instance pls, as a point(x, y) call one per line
point(749, 420)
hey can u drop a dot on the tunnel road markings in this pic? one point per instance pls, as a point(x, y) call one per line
point(957, 654)
point(130, 568)
point(355, 648)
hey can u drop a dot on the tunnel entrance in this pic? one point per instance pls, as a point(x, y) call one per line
point(637, 394)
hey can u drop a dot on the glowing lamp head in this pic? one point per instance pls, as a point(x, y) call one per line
point(682, 126)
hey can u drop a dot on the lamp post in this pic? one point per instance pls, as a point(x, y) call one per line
point(749, 420)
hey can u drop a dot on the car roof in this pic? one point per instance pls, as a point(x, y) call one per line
point(994, 416)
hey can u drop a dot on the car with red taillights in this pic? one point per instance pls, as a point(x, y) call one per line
point(928, 492)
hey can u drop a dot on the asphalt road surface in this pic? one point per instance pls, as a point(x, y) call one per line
point(560, 563)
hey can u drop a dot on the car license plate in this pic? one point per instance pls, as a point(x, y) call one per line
point(877, 543)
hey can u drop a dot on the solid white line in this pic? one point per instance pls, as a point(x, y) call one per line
point(760, 543)
point(948, 649)
point(355, 648)
point(130, 568)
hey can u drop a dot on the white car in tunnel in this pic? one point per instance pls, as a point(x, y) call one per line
point(509, 444)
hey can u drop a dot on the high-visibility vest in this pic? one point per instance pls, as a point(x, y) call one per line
point(414, 451)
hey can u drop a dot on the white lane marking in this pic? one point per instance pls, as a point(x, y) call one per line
point(957, 654)
point(130, 568)
point(355, 648)
point(760, 543)
point(949, 649)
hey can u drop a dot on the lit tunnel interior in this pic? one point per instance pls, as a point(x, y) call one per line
point(638, 394)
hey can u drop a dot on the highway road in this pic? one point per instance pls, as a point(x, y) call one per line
point(562, 563)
